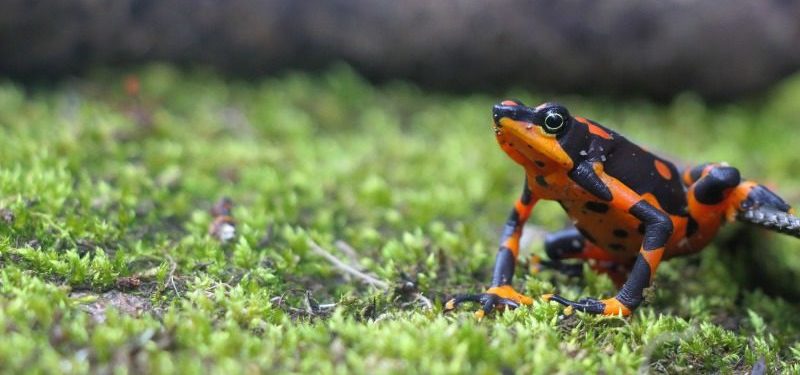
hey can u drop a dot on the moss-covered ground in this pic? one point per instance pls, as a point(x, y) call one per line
point(107, 265)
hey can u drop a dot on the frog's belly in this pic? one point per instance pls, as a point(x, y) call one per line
point(620, 233)
point(613, 230)
point(609, 228)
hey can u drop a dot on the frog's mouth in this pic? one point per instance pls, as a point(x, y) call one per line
point(511, 114)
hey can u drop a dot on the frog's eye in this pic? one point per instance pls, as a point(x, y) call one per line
point(553, 122)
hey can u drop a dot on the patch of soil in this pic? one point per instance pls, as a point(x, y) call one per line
point(125, 303)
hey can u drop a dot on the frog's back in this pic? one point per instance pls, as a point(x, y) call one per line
point(637, 168)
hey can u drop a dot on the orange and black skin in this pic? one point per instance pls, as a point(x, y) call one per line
point(630, 208)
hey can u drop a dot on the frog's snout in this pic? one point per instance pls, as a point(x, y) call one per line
point(512, 110)
point(499, 111)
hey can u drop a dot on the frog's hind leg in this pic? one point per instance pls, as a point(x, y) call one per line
point(717, 190)
point(709, 187)
point(571, 244)
point(564, 244)
point(712, 183)
point(720, 187)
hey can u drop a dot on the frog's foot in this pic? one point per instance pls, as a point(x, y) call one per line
point(495, 297)
point(608, 306)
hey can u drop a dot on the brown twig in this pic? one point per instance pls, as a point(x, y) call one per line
point(171, 278)
point(353, 271)
point(347, 250)
point(350, 270)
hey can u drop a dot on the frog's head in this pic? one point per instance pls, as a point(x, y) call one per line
point(530, 134)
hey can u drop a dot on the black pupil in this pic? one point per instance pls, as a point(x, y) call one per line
point(553, 121)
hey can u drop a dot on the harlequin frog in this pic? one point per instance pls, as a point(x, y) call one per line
point(630, 208)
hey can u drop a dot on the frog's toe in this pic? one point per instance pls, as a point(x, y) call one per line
point(609, 306)
point(507, 292)
point(453, 303)
point(589, 305)
point(488, 301)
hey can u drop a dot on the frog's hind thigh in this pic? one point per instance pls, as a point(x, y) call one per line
point(570, 244)
point(714, 183)
point(711, 181)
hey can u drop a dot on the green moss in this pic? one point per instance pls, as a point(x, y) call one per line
point(106, 263)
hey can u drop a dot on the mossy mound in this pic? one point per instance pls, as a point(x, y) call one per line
point(106, 263)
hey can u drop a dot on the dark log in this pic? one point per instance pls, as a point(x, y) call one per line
point(652, 48)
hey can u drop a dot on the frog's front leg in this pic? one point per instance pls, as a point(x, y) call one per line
point(658, 228)
point(501, 293)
